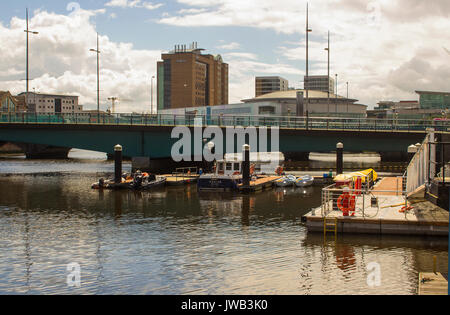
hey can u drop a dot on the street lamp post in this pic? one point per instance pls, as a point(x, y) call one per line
point(347, 98)
point(151, 109)
point(27, 66)
point(328, 51)
point(97, 51)
point(307, 60)
point(336, 93)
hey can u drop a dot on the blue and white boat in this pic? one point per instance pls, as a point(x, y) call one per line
point(286, 181)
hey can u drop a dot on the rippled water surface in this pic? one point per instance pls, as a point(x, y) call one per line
point(179, 241)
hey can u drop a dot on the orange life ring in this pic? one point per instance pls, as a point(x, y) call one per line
point(350, 201)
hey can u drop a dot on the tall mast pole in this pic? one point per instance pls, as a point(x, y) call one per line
point(307, 60)
point(98, 77)
point(27, 78)
point(328, 49)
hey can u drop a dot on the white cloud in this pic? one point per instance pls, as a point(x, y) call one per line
point(386, 49)
point(133, 4)
point(242, 70)
point(230, 46)
point(60, 61)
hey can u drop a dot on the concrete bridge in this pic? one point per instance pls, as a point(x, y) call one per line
point(150, 136)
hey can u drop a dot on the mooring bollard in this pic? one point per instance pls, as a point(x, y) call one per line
point(339, 158)
point(118, 164)
point(246, 165)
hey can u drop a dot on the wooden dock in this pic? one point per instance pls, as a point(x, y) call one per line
point(176, 180)
point(425, 218)
point(431, 283)
point(259, 184)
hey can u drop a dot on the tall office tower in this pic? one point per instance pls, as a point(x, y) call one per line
point(265, 85)
point(319, 83)
point(187, 78)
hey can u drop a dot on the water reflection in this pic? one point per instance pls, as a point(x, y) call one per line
point(178, 241)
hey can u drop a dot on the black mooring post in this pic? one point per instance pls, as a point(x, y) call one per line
point(118, 164)
point(339, 158)
point(246, 165)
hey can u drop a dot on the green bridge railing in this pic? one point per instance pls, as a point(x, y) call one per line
point(305, 123)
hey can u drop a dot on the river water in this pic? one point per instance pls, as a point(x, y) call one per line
point(175, 240)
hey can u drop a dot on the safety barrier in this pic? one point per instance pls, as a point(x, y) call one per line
point(288, 122)
point(364, 199)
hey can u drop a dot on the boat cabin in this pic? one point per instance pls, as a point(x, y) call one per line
point(262, 162)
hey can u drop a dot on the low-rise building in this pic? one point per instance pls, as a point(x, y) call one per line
point(434, 100)
point(284, 103)
point(51, 103)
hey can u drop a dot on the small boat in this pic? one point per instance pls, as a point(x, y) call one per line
point(304, 181)
point(215, 182)
point(142, 182)
point(286, 181)
point(228, 172)
point(137, 181)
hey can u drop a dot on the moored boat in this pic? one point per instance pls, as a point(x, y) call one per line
point(286, 181)
point(228, 172)
point(137, 181)
point(304, 181)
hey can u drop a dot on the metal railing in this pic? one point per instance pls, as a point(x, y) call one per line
point(421, 168)
point(363, 200)
point(287, 122)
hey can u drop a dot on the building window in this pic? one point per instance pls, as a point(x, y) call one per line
point(267, 110)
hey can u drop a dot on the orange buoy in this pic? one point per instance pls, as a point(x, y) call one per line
point(346, 203)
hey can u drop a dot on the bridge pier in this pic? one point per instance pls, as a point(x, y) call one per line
point(400, 156)
point(39, 151)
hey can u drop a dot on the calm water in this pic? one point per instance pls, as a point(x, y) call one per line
point(179, 241)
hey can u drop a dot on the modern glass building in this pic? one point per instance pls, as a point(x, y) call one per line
point(434, 100)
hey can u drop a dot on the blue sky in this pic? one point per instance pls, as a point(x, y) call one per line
point(385, 49)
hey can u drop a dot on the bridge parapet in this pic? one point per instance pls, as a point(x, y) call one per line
point(283, 122)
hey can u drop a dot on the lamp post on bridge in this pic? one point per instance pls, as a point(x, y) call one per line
point(151, 106)
point(97, 51)
point(336, 94)
point(27, 62)
point(306, 86)
point(328, 83)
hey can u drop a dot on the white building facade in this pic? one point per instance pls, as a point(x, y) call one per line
point(52, 104)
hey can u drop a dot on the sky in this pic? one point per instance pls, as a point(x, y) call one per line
point(384, 49)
